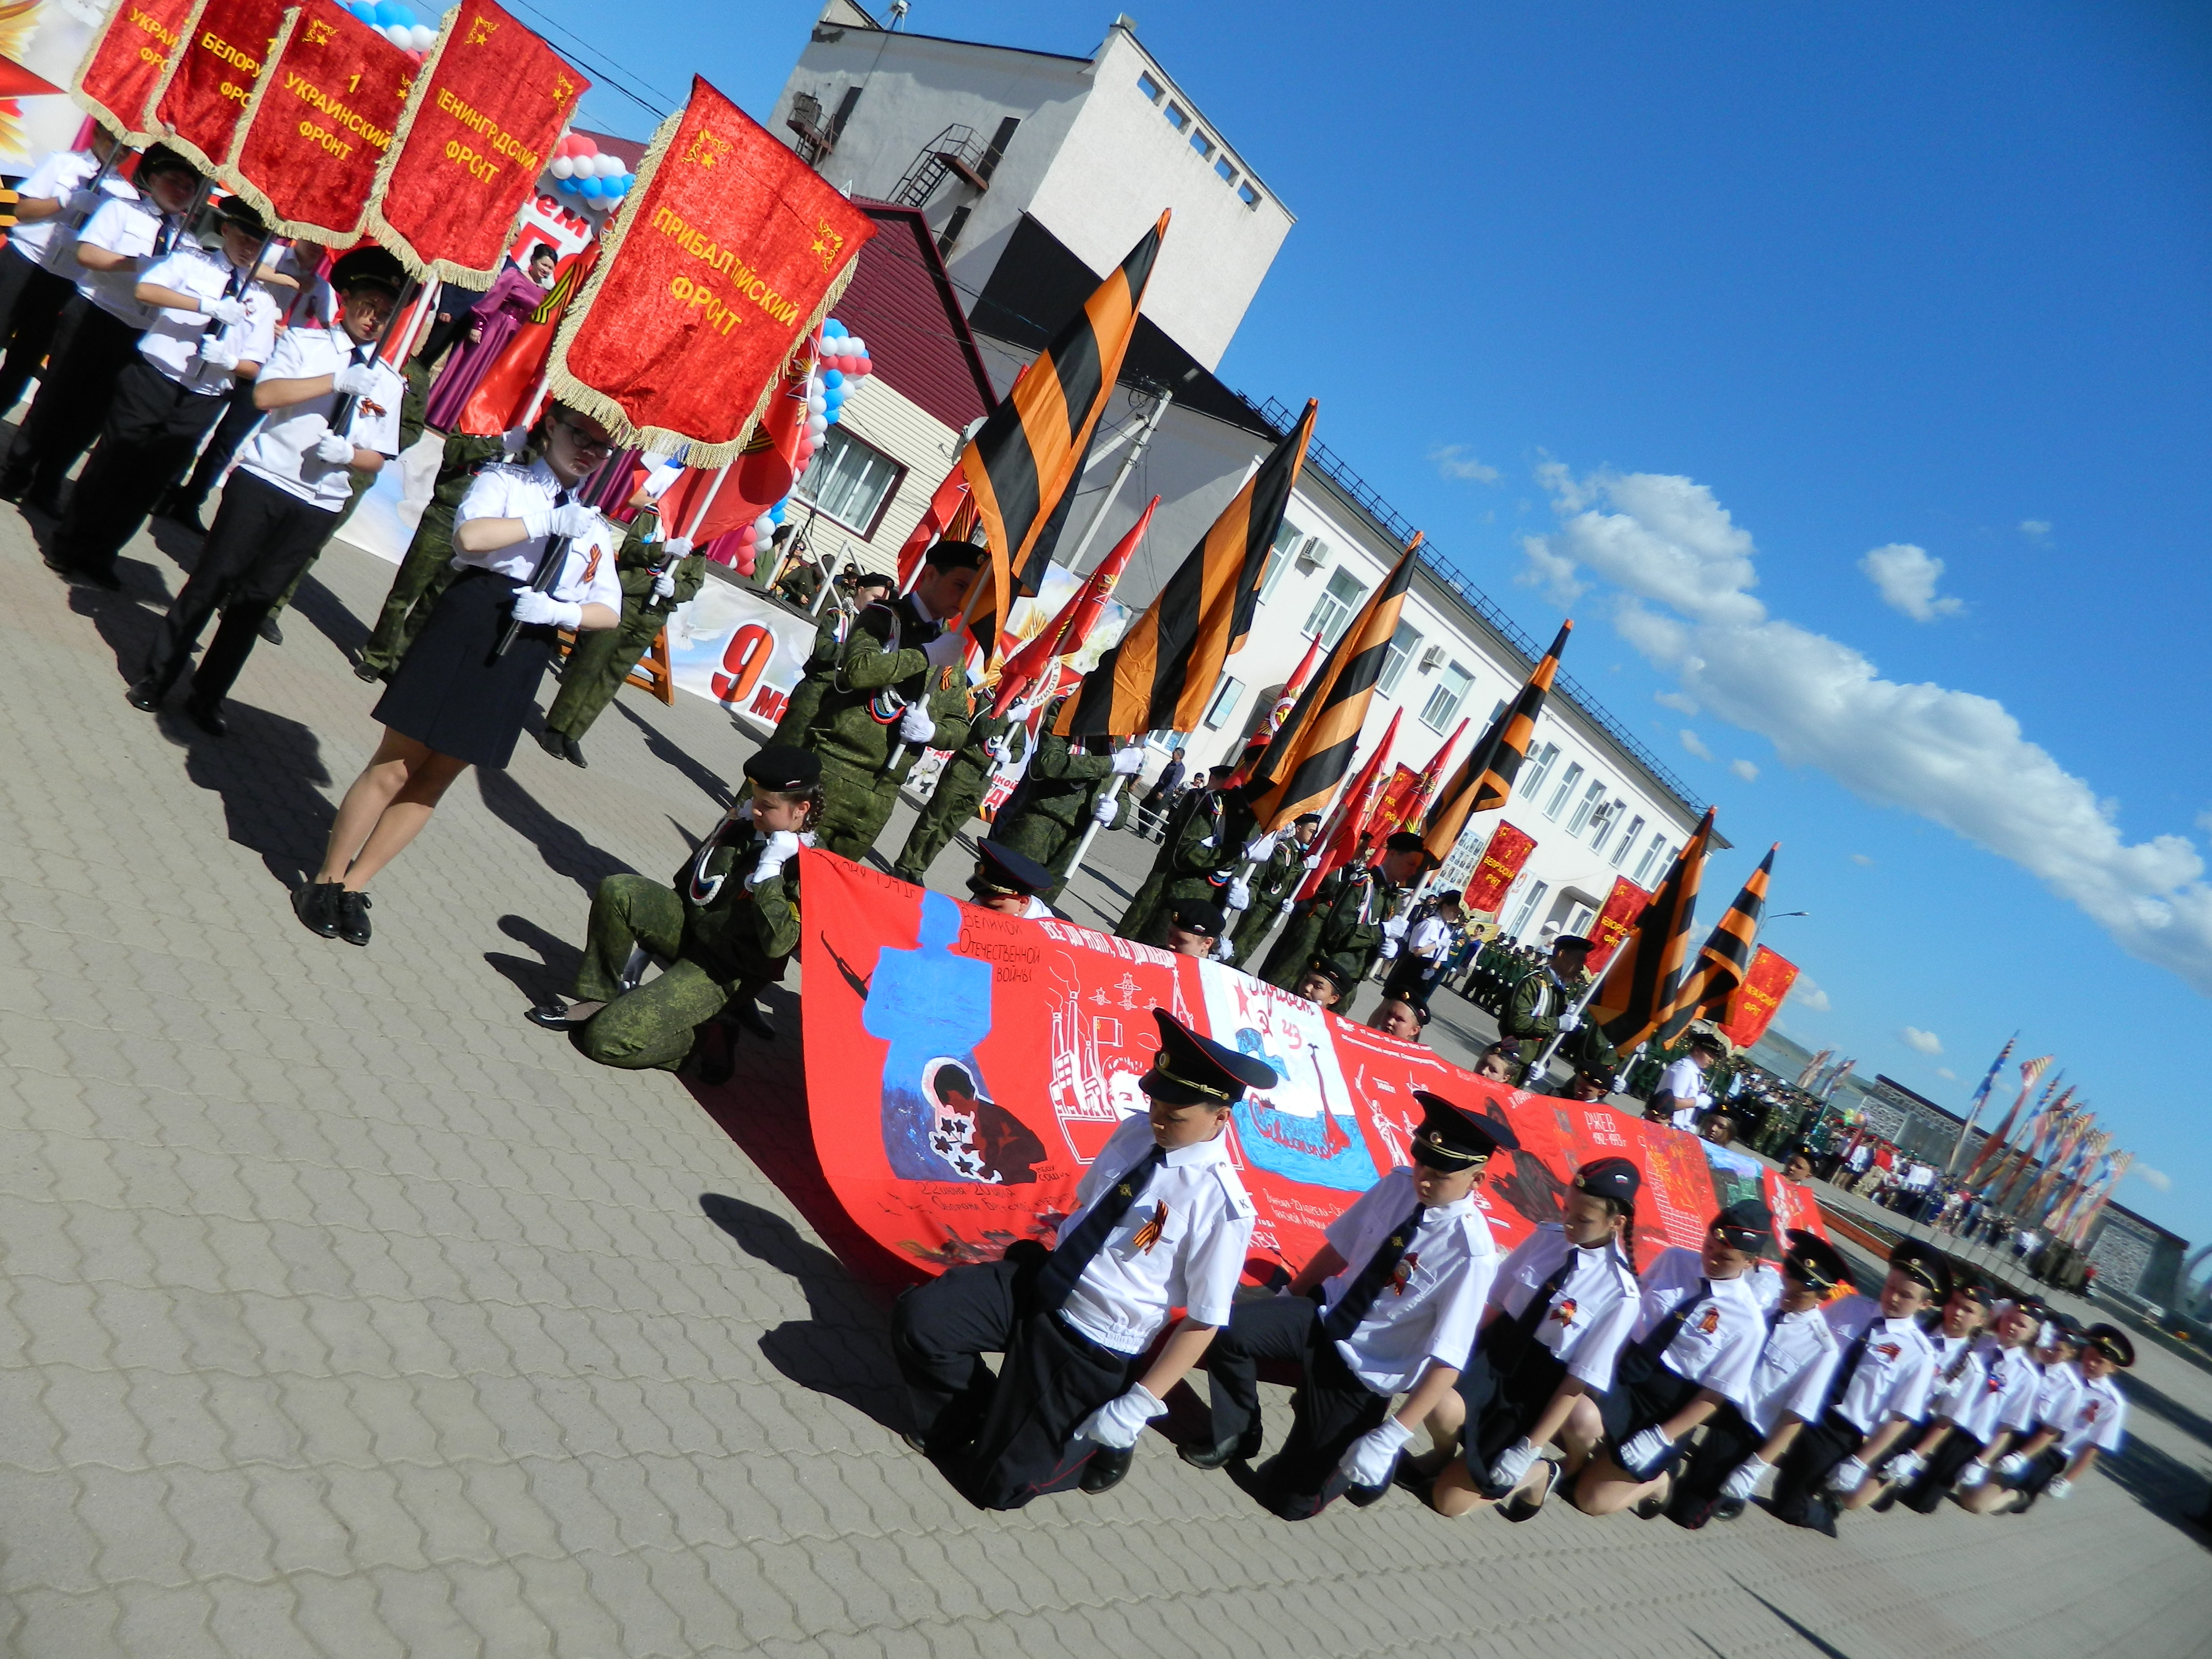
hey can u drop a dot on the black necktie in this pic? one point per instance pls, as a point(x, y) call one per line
point(1847, 1370)
point(1075, 1249)
point(1664, 1333)
point(164, 238)
point(1539, 1303)
point(1358, 1297)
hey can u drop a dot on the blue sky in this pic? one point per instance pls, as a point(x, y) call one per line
point(1671, 318)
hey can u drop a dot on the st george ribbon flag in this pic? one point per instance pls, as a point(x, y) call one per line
point(1711, 985)
point(124, 64)
point(1484, 782)
point(720, 263)
point(319, 124)
point(208, 79)
point(963, 1068)
point(491, 97)
point(1348, 822)
point(1640, 988)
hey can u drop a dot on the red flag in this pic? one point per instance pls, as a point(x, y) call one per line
point(204, 91)
point(1285, 700)
point(943, 505)
point(1414, 802)
point(1622, 906)
point(1497, 869)
point(513, 387)
point(1340, 837)
point(1065, 634)
point(123, 65)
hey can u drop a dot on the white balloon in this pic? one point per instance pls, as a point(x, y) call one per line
point(401, 36)
point(817, 424)
point(610, 166)
point(562, 167)
point(425, 37)
point(817, 404)
point(764, 526)
point(855, 346)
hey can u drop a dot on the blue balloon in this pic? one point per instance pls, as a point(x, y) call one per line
point(834, 329)
point(572, 185)
point(618, 187)
point(776, 513)
point(831, 380)
point(365, 10)
point(594, 188)
point(388, 12)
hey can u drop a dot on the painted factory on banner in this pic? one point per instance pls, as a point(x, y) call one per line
point(1030, 174)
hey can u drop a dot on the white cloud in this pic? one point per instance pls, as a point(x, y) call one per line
point(1860, 858)
point(1954, 758)
point(1807, 993)
point(1906, 576)
point(1695, 744)
point(1682, 705)
point(2156, 1179)
point(1946, 1074)
point(1453, 461)
point(1925, 1043)
point(1744, 769)
point(2035, 529)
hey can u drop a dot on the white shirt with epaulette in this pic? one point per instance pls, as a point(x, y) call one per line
point(1589, 1314)
point(2061, 1391)
point(1796, 1364)
point(1432, 1308)
point(1892, 1376)
point(1959, 1373)
point(2005, 1397)
point(509, 490)
point(1719, 1341)
point(2100, 1418)
point(172, 341)
point(135, 228)
point(51, 244)
point(281, 451)
point(1181, 1245)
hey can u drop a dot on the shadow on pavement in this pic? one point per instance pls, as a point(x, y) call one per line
point(843, 1349)
point(553, 972)
point(657, 744)
point(2169, 1488)
point(566, 853)
point(330, 617)
point(267, 772)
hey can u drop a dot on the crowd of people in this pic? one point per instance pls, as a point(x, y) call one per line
point(150, 318)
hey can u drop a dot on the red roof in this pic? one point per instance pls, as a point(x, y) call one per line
point(902, 304)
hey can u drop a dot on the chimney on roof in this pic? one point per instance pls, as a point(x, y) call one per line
point(1123, 20)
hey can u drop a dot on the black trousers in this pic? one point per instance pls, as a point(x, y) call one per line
point(1728, 1439)
point(1023, 1417)
point(1801, 1494)
point(92, 349)
point(1509, 1380)
point(261, 539)
point(1944, 1464)
point(152, 427)
point(32, 299)
point(1329, 1410)
point(237, 425)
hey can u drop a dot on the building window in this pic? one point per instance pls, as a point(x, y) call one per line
point(1224, 704)
point(1149, 88)
point(1228, 172)
point(1332, 611)
point(1247, 195)
point(1537, 768)
point(1287, 537)
point(1202, 144)
point(1399, 652)
point(1608, 816)
point(849, 480)
point(1177, 117)
point(1445, 697)
point(1527, 911)
point(1593, 798)
point(1565, 791)
point(1643, 876)
point(1628, 841)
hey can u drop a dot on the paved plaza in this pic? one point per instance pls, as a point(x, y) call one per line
point(346, 1313)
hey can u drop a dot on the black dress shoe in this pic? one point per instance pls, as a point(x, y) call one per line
point(369, 672)
point(710, 1061)
point(316, 904)
point(554, 1016)
point(572, 752)
point(207, 716)
point(269, 631)
point(1244, 1449)
point(549, 741)
point(1728, 1508)
point(353, 917)
point(145, 696)
point(1106, 1467)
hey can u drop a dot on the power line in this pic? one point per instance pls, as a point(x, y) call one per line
point(610, 73)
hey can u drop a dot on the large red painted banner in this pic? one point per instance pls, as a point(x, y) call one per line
point(963, 1068)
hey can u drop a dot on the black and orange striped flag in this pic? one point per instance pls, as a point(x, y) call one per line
point(1484, 782)
point(1167, 667)
point(1311, 753)
point(1025, 456)
point(1716, 979)
point(1644, 977)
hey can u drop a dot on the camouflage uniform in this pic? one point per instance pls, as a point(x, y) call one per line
point(722, 941)
point(822, 665)
point(602, 660)
point(1270, 883)
point(427, 567)
point(799, 584)
point(1343, 921)
point(960, 790)
point(1049, 814)
point(855, 731)
point(1202, 846)
point(1533, 1016)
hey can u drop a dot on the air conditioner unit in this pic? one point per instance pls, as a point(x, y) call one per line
point(1311, 556)
point(1431, 659)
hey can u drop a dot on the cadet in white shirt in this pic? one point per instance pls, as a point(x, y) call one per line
point(98, 337)
point(1698, 1332)
point(1879, 1391)
point(529, 554)
point(1560, 1307)
point(39, 271)
point(214, 325)
point(283, 498)
point(2095, 1421)
point(2001, 1406)
point(1960, 1370)
point(1681, 1093)
point(1161, 1221)
point(2058, 1392)
point(1388, 1305)
point(1788, 1387)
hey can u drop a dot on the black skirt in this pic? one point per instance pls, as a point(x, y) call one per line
point(449, 693)
point(1644, 1394)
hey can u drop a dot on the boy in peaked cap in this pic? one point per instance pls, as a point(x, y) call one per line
point(1388, 1306)
point(1008, 882)
point(1161, 1221)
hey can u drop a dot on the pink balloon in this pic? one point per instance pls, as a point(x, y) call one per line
point(747, 564)
point(863, 368)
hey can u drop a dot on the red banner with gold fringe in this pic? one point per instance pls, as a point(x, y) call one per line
point(1497, 869)
point(123, 65)
point(727, 254)
point(209, 80)
point(491, 99)
point(1753, 1006)
point(1622, 906)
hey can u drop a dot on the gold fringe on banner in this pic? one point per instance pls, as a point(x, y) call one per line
point(566, 388)
point(159, 130)
point(240, 185)
point(128, 130)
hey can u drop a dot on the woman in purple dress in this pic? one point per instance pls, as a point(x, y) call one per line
point(514, 294)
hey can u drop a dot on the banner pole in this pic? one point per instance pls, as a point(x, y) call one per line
point(1091, 832)
point(550, 563)
point(1536, 1067)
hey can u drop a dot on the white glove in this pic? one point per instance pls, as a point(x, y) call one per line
point(217, 353)
point(2059, 1487)
point(1390, 949)
point(354, 381)
point(1239, 896)
point(1127, 762)
point(223, 308)
point(86, 201)
point(1847, 1477)
point(1570, 1021)
point(1515, 1460)
point(998, 750)
point(1020, 710)
point(1905, 1469)
point(947, 648)
point(335, 448)
point(1395, 929)
point(1257, 851)
point(663, 585)
point(1972, 1475)
point(532, 608)
point(1312, 861)
point(1369, 1459)
point(1647, 1453)
point(1287, 907)
point(676, 547)
point(1118, 1422)
point(1103, 811)
point(1224, 948)
point(2012, 1466)
point(1744, 1479)
point(773, 855)
point(575, 521)
point(915, 726)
